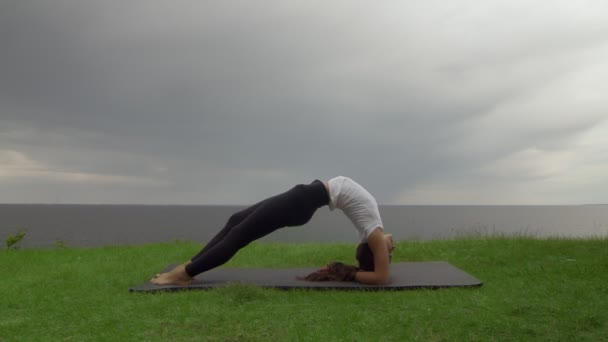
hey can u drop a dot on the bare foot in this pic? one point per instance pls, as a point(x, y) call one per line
point(176, 276)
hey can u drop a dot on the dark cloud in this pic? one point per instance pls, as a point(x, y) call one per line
point(187, 97)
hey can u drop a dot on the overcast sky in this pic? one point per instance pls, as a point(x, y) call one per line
point(228, 102)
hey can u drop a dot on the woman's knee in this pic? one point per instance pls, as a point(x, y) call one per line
point(237, 218)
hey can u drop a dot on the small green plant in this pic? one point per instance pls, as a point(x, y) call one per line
point(12, 241)
point(60, 244)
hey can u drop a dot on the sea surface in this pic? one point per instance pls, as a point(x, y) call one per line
point(98, 225)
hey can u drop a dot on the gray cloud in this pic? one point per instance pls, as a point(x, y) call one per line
point(227, 102)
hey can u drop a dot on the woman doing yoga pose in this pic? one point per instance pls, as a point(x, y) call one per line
point(295, 208)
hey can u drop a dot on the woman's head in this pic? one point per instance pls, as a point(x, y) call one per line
point(365, 257)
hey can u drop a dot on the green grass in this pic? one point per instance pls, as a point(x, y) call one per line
point(534, 289)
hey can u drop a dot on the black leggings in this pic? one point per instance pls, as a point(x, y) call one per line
point(292, 208)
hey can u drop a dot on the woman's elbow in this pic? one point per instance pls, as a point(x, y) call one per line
point(372, 278)
point(383, 279)
point(380, 279)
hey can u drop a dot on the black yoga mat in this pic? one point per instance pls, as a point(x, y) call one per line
point(404, 275)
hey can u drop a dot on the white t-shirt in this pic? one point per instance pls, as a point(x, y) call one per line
point(358, 205)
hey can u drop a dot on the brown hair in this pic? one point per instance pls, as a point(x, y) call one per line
point(365, 257)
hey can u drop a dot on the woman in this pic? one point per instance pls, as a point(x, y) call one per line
point(295, 208)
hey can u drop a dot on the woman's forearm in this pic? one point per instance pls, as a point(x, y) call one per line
point(372, 278)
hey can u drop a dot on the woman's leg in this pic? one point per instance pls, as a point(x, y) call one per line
point(292, 208)
point(234, 220)
point(262, 221)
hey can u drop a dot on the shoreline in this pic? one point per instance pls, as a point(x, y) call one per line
point(98, 225)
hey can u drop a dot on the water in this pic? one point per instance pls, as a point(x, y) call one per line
point(97, 225)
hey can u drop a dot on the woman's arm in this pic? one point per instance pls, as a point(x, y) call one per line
point(380, 275)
